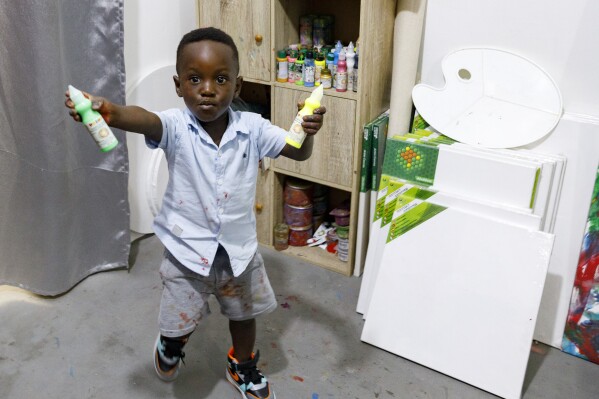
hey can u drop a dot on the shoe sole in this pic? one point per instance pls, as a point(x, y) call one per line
point(161, 375)
point(234, 383)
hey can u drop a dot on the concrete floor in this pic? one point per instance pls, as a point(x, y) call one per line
point(96, 342)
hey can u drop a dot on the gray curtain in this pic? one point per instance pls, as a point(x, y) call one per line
point(64, 212)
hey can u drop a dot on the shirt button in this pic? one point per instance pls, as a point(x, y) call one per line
point(219, 182)
point(220, 211)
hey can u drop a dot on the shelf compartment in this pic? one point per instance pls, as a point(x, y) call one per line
point(314, 255)
point(332, 160)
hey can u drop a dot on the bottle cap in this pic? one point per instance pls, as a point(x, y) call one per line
point(317, 94)
point(281, 54)
point(76, 96)
point(342, 55)
point(310, 54)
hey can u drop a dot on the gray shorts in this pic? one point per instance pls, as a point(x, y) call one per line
point(185, 293)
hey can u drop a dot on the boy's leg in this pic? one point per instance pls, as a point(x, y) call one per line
point(183, 305)
point(243, 298)
point(243, 336)
point(168, 355)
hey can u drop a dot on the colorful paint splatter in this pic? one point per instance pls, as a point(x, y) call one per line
point(581, 336)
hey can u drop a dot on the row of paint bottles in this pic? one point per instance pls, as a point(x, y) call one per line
point(305, 67)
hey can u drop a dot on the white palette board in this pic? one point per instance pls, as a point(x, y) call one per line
point(379, 233)
point(460, 294)
point(492, 98)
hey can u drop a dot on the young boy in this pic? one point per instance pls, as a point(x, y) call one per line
point(206, 223)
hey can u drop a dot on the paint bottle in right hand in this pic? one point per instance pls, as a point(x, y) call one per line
point(296, 135)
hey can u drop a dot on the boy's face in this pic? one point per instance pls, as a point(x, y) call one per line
point(207, 79)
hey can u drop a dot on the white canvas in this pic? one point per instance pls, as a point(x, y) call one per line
point(486, 177)
point(460, 294)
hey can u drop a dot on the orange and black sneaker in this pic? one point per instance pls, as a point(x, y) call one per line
point(167, 363)
point(247, 378)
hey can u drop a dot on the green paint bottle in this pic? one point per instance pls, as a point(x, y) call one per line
point(93, 121)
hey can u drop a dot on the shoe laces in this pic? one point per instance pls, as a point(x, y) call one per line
point(250, 371)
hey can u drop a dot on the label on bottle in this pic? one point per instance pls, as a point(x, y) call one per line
point(102, 133)
point(350, 81)
point(309, 74)
point(355, 73)
point(282, 71)
point(296, 133)
point(299, 73)
point(326, 81)
point(291, 72)
point(341, 81)
point(317, 70)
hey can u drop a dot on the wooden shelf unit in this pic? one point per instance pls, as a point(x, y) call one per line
point(260, 28)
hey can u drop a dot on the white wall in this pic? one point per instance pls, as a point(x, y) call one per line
point(153, 29)
point(561, 37)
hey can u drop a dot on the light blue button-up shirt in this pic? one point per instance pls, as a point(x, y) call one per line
point(209, 199)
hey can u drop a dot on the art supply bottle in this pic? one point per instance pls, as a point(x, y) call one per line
point(330, 61)
point(296, 135)
point(299, 69)
point(319, 65)
point(326, 80)
point(291, 58)
point(93, 121)
point(351, 61)
point(341, 73)
point(355, 73)
point(282, 74)
point(309, 73)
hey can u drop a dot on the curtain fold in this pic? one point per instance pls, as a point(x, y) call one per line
point(64, 211)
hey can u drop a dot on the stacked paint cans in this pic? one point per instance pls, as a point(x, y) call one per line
point(298, 210)
point(341, 224)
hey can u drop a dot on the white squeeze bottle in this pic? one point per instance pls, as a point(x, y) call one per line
point(296, 135)
point(93, 121)
point(351, 61)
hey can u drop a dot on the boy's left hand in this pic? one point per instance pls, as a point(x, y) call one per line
point(313, 123)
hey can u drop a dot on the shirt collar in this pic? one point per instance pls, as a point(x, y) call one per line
point(234, 126)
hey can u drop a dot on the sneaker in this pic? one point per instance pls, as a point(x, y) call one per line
point(247, 378)
point(166, 367)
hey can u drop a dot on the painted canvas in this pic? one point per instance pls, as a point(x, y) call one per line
point(581, 336)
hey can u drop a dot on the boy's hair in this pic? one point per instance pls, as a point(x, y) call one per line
point(214, 34)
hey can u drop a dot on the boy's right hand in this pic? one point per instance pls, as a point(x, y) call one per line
point(99, 104)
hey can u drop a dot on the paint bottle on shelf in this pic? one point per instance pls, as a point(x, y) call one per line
point(341, 73)
point(338, 48)
point(93, 121)
point(326, 79)
point(330, 61)
point(319, 65)
point(309, 70)
point(299, 69)
point(296, 135)
point(282, 74)
point(351, 61)
point(291, 65)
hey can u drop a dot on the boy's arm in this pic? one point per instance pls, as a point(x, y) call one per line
point(312, 124)
point(126, 117)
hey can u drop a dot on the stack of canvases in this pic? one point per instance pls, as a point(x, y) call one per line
point(457, 257)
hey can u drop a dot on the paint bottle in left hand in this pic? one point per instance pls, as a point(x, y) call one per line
point(93, 121)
